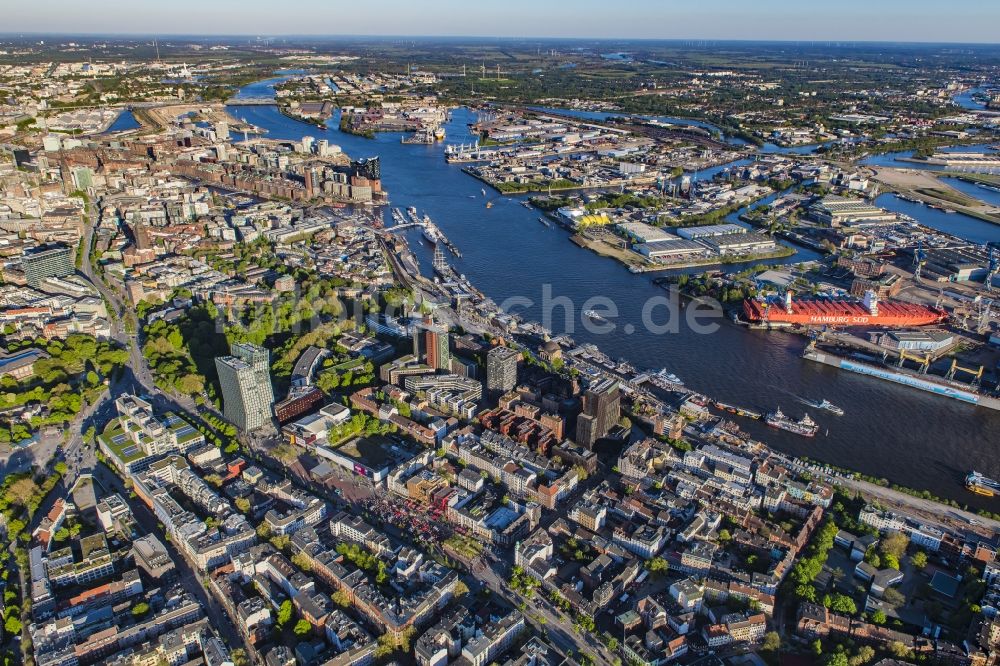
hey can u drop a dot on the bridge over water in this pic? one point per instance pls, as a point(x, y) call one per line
point(251, 101)
point(406, 225)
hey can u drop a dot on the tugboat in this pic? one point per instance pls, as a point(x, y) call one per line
point(805, 427)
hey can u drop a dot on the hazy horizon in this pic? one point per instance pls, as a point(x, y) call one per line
point(920, 21)
point(271, 37)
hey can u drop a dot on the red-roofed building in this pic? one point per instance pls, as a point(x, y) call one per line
point(51, 523)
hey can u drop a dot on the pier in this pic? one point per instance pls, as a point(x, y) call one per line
point(432, 233)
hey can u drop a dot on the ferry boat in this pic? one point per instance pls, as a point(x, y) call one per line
point(595, 316)
point(982, 485)
point(805, 426)
point(825, 404)
point(670, 377)
point(439, 133)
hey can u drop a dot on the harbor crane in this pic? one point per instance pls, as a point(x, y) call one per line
point(924, 361)
point(919, 257)
point(994, 265)
point(977, 375)
point(985, 315)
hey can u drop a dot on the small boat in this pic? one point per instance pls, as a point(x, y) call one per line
point(489, 204)
point(483, 191)
point(825, 404)
point(544, 221)
point(590, 314)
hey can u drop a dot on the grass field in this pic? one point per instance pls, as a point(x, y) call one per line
point(946, 195)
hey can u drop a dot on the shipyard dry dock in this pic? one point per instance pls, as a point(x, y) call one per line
point(936, 385)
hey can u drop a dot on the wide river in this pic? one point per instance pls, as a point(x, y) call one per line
point(907, 436)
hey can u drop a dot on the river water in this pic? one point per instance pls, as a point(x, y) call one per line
point(898, 159)
point(910, 437)
point(965, 100)
point(956, 224)
point(990, 196)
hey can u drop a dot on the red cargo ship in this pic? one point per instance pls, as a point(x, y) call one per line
point(820, 312)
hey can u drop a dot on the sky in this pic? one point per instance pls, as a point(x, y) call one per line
point(843, 20)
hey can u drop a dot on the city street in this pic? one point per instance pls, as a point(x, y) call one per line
point(557, 626)
point(186, 571)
